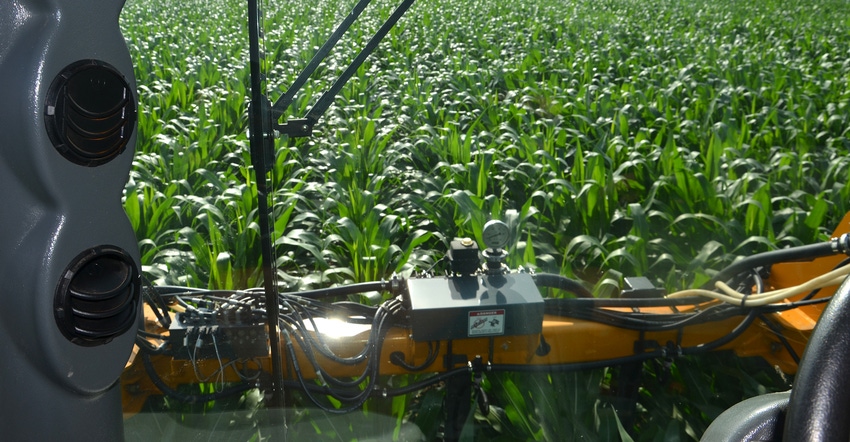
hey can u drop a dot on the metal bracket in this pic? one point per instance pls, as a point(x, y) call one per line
point(295, 128)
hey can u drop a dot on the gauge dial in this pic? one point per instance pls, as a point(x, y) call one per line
point(495, 234)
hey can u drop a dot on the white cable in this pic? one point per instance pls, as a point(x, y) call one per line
point(732, 296)
point(220, 370)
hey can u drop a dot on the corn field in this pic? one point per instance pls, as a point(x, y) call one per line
point(657, 138)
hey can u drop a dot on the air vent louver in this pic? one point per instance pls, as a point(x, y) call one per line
point(90, 112)
point(96, 299)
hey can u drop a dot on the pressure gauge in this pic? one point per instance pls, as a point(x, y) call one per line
point(495, 234)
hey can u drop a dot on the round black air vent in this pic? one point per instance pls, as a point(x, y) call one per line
point(97, 297)
point(90, 112)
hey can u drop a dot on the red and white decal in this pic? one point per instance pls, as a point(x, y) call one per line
point(487, 322)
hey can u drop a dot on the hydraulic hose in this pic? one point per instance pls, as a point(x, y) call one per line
point(344, 290)
point(801, 253)
point(559, 282)
point(190, 398)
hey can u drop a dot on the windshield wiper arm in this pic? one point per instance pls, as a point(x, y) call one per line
point(303, 127)
point(286, 99)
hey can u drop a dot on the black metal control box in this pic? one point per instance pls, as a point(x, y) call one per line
point(474, 306)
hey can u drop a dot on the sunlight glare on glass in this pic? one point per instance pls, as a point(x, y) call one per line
point(338, 329)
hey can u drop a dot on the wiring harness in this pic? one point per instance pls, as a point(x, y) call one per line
point(227, 327)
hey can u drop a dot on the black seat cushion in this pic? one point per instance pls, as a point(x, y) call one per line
point(756, 419)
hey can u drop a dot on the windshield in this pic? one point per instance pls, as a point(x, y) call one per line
point(631, 150)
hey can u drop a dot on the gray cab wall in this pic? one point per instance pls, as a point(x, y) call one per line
point(69, 263)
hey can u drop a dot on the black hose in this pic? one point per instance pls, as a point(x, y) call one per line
point(640, 357)
point(585, 303)
point(397, 358)
point(385, 392)
point(801, 253)
point(559, 282)
point(354, 399)
point(650, 322)
point(344, 290)
point(576, 366)
point(147, 347)
point(777, 331)
point(318, 341)
point(433, 380)
point(189, 398)
point(156, 303)
point(729, 337)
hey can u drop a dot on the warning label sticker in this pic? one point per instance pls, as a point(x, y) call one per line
point(487, 322)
